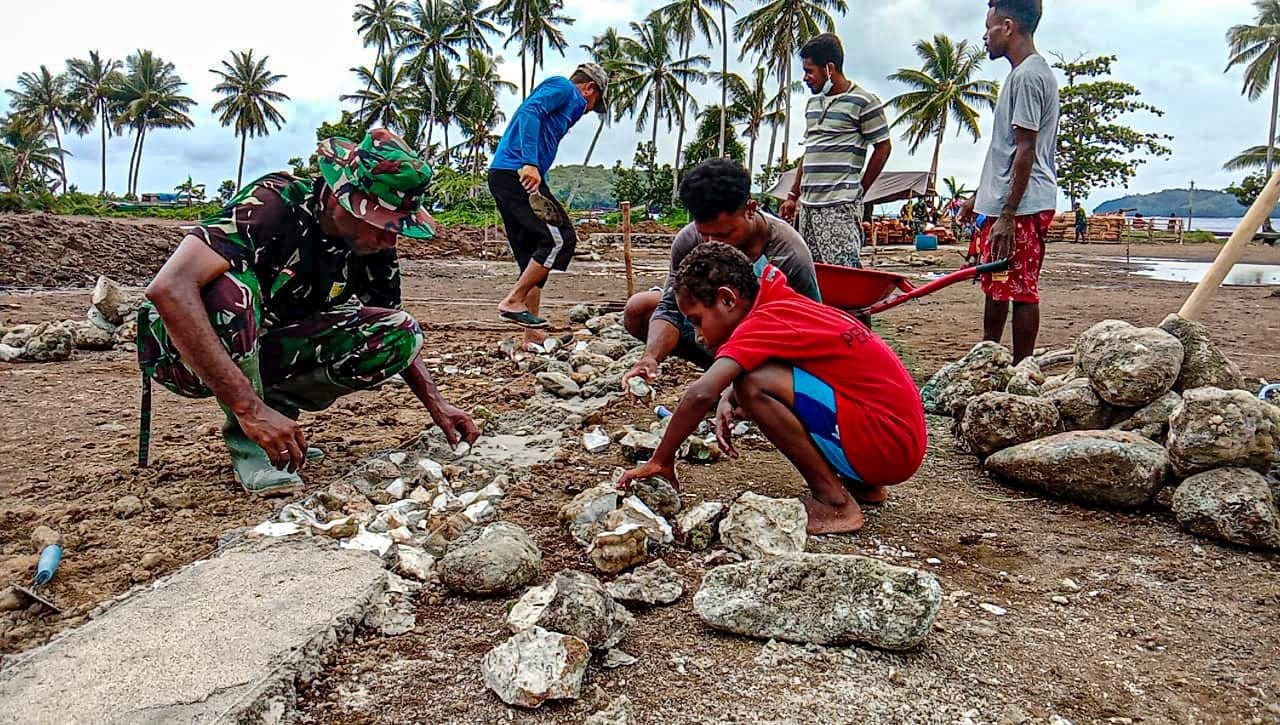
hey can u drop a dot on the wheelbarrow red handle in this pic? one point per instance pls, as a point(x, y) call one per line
point(911, 293)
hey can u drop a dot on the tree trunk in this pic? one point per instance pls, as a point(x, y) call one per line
point(445, 156)
point(573, 190)
point(62, 159)
point(244, 138)
point(937, 152)
point(103, 111)
point(524, 90)
point(137, 169)
point(786, 128)
point(657, 113)
point(773, 143)
point(751, 153)
point(1275, 108)
point(133, 161)
point(724, 74)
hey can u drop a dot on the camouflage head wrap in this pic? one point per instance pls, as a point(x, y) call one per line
point(380, 181)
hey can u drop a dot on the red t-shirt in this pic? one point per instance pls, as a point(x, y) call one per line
point(878, 407)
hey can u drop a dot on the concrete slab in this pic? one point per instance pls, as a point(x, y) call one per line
point(224, 640)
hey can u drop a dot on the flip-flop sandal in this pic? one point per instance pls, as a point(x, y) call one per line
point(525, 319)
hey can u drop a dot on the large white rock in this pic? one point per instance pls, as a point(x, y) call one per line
point(1223, 429)
point(1079, 406)
point(1106, 467)
point(535, 666)
point(585, 514)
point(758, 527)
point(697, 526)
point(1203, 364)
point(634, 511)
point(1153, 421)
point(1235, 505)
point(618, 550)
point(1129, 366)
point(573, 603)
point(823, 599)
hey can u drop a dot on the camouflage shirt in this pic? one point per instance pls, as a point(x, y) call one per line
point(271, 231)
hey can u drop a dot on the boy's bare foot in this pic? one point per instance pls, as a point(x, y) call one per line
point(866, 493)
point(827, 519)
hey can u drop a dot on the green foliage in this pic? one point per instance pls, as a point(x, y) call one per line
point(1200, 237)
point(706, 141)
point(226, 190)
point(1093, 150)
point(1209, 204)
point(1247, 191)
point(81, 204)
point(646, 185)
point(593, 185)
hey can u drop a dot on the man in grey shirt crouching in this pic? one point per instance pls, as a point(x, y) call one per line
point(717, 194)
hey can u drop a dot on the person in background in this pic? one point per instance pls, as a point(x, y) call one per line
point(844, 120)
point(1082, 221)
point(1018, 191)
point(539, 231)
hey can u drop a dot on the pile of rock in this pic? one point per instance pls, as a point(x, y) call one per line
point(587, 364)
point(111, 323)
point(1140, 408)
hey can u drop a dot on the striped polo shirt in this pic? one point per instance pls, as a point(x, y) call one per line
point(840, 128)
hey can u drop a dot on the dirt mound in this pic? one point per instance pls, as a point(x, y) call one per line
point(46, 250)
point(456, 241)
point(646, 226)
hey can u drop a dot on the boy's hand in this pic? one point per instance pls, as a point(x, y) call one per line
point(652, 469)
point(725, 415)
point(646, 368)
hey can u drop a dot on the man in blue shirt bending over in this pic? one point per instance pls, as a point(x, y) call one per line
point(539, 231)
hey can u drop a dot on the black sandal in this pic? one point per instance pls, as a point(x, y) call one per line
point(525, 319)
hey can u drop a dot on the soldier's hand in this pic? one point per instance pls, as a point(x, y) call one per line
point(457, 425)
point(280, 437)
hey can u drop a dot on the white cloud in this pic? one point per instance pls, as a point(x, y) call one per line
point(1171, 49)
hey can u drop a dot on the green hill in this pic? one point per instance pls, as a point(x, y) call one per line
point(1174, 202)
point(594, 185)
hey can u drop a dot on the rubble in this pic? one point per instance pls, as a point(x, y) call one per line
point(1203, 364)
point(824, 599)
point(535, 666)
point(615, 551)
point(1080, 407)
point(634, 512)
point(995, 421)
point(1235, 505)
point(585, 514)
point(1106, 468)
point(560, 384)
point(1153, 421)
point(618, 712)
point(1216, 428)
point(697, 527)
point(576, 604)
point(497, 559)
point(659, 495)
point(758, 527)
point(1129, 366)
point(652, 584)
point(985, 369)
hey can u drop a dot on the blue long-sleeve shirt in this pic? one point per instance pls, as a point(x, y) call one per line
point(538, 126)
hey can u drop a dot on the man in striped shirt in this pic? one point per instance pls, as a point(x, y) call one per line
point(843, 121)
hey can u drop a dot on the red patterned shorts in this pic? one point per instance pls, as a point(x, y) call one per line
point(1022, 282)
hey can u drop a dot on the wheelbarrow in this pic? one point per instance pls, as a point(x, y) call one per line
point(867, 292)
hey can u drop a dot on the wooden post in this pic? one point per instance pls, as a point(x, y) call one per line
point(626, 248)
point(1233, 250)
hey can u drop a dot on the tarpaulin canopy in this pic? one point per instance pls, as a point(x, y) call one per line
point(891, 186)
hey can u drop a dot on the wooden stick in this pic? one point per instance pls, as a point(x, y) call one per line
point(1234, 249)
point(626, 248)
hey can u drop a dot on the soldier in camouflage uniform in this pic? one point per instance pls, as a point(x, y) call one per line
point(290, 298)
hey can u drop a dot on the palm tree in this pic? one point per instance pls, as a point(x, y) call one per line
point(379, 23)
point(26, 140)
point(1257, 47)
point(474, 91)
point(535, 23)
point(386, 95)
point(193, 191)
point(248, 99)
point(1251, 159)
point(44, 96)
point(775, 32)
point(609, 51)
point(430, 40)
point(756, 109)
point(478, 118)
point(449, 94)
point(474, 23)
point(689, 20)
point(956, 189)
point(93, 82)
point(150, 97)
point(943, 88)
point(658, 82)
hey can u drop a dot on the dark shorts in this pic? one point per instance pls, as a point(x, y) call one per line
point(530, 238)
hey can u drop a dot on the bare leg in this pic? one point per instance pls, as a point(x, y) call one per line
point(994, 316)
point(534, 301)
point(1026, 328)
point(767, 395)
point(533, 277)
point(638, 312)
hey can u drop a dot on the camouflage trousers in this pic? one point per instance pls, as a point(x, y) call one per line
point(359, 347)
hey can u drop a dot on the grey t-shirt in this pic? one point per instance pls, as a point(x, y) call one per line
point(785, 249)
point(1028, 100)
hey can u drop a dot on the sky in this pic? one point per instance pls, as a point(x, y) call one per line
point(1172, 50)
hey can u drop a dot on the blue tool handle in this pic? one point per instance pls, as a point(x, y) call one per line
point(662, 411)
point(49, 560)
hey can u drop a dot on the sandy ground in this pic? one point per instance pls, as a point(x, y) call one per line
point(1165, 627)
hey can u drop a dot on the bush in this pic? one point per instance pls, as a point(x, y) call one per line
point(1200, 237)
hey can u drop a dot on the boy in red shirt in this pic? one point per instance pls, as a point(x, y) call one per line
point(826, 391)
